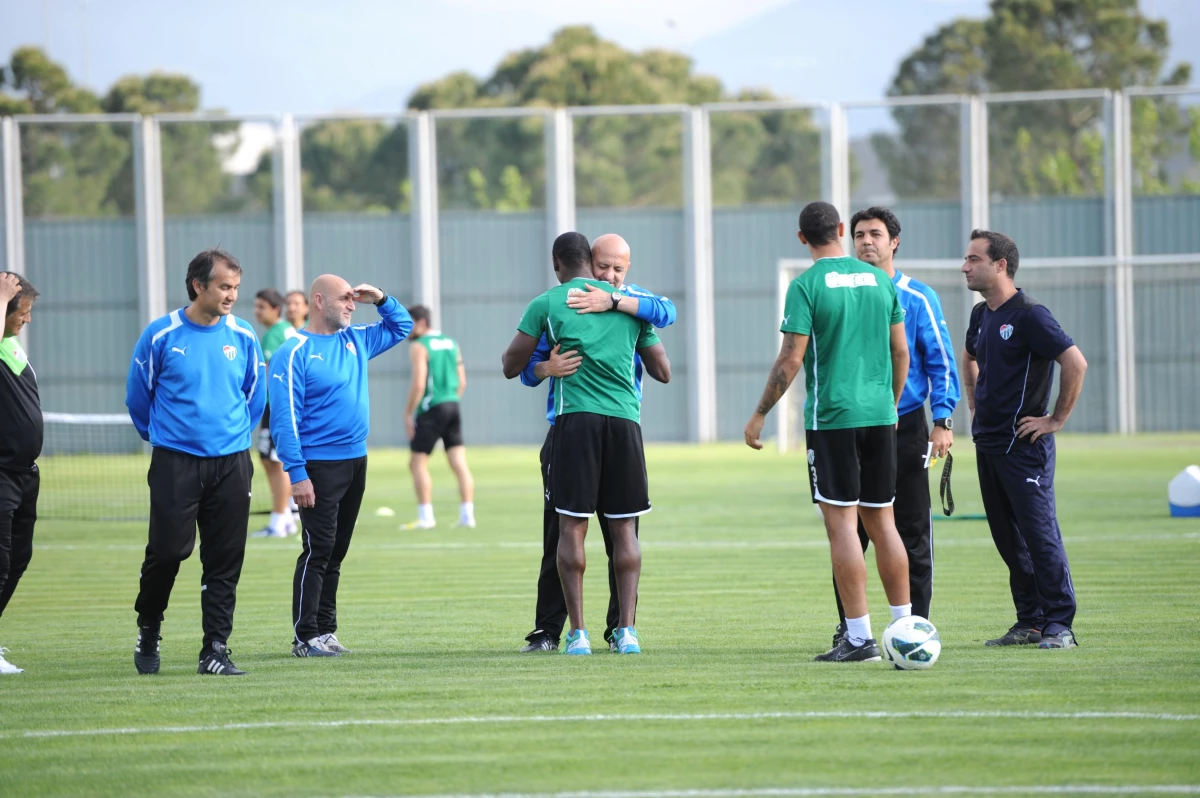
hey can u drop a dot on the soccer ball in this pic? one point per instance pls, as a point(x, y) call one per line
point(911, 643)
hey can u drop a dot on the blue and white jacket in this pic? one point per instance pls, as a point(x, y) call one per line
point(932, 374)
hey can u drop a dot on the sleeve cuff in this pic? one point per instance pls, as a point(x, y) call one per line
point(297, 474)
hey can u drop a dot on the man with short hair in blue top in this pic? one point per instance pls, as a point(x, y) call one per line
point(610, 262)
point(932, 376)
point(320, 419)
point(195, 392)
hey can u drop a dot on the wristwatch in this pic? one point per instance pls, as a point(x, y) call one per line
point(385, 299)
point(617, 296)
point(946, 423)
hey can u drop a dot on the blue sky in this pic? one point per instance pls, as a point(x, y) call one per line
point(313, 55)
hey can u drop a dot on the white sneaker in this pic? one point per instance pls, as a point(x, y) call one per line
point(418, 524)
point(468, 523)
point(7, 667)
point(330, 643)
point(270, 532)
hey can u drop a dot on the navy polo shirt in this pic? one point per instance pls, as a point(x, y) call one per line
point(1016, 345)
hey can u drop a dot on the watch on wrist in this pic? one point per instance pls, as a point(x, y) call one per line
point(385, 299)
point(945, 423)
point(617, 296)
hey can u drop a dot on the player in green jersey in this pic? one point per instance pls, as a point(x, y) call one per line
point(843, 322)
point(268, 310)
point(438, 381)
point(598, 464)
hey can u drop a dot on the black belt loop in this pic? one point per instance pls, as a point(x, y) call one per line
point(946, 493)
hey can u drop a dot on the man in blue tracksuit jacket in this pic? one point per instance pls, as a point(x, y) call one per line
point(195, 392)
point(319, 421)
point(610, 262)
point(931, 375)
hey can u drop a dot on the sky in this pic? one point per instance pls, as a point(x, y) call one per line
point(270, 56)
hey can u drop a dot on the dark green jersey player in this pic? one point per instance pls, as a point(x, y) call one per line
point(438, 381)
point(597, 464)
point(268, 311)
point(843, 323)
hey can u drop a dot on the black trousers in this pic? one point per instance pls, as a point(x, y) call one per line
point(18, 514)
point(185, 492)
point(339, 486)
point(913, 511)
point(551, 611)
point(1018, 496)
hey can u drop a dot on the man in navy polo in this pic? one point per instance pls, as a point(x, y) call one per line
point(1008, 369)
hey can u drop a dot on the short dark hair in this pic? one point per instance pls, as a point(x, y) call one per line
point(300, 294)
point(419, 313)
point(819, 222)
point(202, 266)
point(1000, 246)
point(572, 250)
point(27, 292)
point(879, 213)
point(271, 297)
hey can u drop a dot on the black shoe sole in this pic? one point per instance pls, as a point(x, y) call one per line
point(146, 666)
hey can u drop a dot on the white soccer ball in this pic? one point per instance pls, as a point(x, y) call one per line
point(911, 643)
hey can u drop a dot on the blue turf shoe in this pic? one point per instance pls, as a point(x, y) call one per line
point(627, 641)
point(578, 643)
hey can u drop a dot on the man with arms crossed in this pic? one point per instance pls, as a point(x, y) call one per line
point(318, 382)
point(610, 263)
point(1013, 342)
point(931, 374)
point(843, 322)
point(20, 445)
point(195, 392)
point(268, 306)
point(598, 464)
point(439, 379)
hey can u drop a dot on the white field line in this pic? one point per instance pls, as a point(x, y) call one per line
point(647, 544)
point(599, 718)
point(819, 792)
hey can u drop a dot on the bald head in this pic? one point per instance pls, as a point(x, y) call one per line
point(332, 301)
point(610, 259)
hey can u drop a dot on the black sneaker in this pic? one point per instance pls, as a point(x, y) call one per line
point(845, 651)
point(1063, 639)
point(217, 663)
point(838, 634)
point(1021, 634)
point(539, 641)
point(145, 654)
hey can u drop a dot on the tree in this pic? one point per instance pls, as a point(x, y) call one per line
point(1035, 148)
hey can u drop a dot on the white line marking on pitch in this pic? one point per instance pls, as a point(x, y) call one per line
point(516, 719)
point(816, 792)
point(650, 544)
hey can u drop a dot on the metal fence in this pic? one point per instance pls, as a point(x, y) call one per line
point(1093, 185)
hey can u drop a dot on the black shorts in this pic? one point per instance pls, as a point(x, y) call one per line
point(265, 443)
point(598, 466)
point(438, 422)
point(854, 466)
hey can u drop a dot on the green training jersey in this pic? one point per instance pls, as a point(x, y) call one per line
point(847, 308)
point(604, 383)
point(441, 374)
point(273, 338)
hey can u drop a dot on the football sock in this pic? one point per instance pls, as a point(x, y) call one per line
point(858, 630)
point(903, 611)
point(425, 513)
point(278, 522)
point(466, 511)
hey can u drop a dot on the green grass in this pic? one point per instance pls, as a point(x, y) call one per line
point(735, 601)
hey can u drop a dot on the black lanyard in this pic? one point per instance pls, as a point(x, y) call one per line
point(946, 493)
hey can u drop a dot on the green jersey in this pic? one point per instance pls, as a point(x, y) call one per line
point(847, 307)
point(274, 338)
point(604, 383)
point(441, 373)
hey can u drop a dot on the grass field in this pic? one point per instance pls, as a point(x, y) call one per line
point(735, 601)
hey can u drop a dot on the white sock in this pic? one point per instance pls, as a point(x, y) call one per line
point(279, 521)
point(858, 630)
point(425, 513)
point(903, 611)
point(466, 511)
